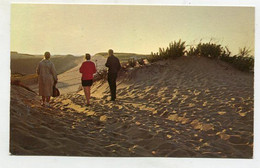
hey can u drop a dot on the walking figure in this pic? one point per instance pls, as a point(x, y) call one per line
point(87, 70)
point(114, 66)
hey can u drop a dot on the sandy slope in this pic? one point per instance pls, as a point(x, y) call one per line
point(188, 107)
point(70, 80)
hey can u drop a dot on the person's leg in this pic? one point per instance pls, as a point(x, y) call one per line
point(88, 94)
point(43, 100)
point(48, 99)
point(113, 86)
point(110, 83)
point(85, 91)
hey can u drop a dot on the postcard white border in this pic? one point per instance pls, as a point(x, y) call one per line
point(7, 161)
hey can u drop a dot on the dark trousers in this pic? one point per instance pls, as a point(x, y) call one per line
point(112, 84)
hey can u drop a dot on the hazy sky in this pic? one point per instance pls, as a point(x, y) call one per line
point(77, 29)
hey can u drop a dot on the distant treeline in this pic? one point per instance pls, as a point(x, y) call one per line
point(124, 57)
point(243, 60)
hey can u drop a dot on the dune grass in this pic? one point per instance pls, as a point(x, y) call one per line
point(175, 50)
point(243, 61)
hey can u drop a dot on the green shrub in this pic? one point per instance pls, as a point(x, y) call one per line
point(192, 51)
point(244, 52)
point(243, 61)
point(176, 49)
point(154, 57)
point(209, 50)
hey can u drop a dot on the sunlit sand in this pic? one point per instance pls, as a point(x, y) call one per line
point(187, 107)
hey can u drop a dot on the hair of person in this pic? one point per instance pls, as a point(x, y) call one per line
point(47, 55)
point(110, 52)
point(87, 56)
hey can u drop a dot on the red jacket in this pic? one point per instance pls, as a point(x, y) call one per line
point(87, 69)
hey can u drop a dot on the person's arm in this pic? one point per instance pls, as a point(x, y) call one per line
point(54, 73)
point(94, 68)
point(38, 69)
point(81, 68)
point(108, 63)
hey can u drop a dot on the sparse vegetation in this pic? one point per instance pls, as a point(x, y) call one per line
point(192, 51)
point(175, 49)
point(209, 50)
point(243, 61)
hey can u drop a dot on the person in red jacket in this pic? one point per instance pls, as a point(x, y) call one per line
point(87, 69)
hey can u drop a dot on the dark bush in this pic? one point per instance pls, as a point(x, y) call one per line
point(243, 61)
point(175, 49)
point(209, 50)
point(154, 57)
point(192, 51)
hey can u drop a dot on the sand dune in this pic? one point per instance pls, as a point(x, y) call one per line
point(188, 107)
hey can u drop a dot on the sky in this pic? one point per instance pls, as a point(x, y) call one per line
point(78, 29)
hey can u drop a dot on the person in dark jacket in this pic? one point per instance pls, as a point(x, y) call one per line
point(114, 66)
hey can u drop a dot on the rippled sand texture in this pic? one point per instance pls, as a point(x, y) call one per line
point(188, 107)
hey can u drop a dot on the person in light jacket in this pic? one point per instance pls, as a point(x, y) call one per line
point(87, 70)
point(47, 77)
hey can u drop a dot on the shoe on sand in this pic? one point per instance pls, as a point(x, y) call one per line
point(47, 104)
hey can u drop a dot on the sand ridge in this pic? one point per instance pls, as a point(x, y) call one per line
point(188, 107)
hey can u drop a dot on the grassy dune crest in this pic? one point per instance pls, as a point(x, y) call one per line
point(243, 61)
